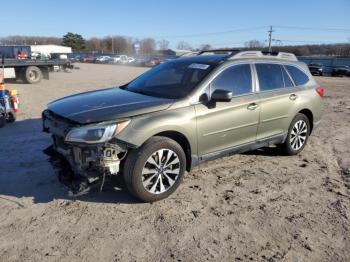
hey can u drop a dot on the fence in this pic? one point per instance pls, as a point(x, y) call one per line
point(328, 62)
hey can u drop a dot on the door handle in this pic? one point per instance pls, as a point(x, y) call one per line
point(293, 97)
point(252, 106)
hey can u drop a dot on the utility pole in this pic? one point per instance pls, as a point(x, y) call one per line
point(270, 38)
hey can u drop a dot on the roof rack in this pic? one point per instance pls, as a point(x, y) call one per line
point(220, 51)
point(259, 54)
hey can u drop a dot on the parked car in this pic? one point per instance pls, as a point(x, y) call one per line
point(316, 69)
point(74, 58)
point(131, 59)
point(140, 61)
point(120, 59)
point(103, 59)
point(89, 59)
point(185, 112)
point(341, 71)
point(153, 61)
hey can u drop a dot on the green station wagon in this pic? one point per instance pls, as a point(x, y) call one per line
point(182, 113)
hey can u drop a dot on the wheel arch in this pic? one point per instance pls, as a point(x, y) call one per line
point(308, 113)
point(183, 141)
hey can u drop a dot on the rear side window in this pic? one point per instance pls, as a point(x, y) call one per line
point(237, 79)
point(299, 77)
point(270, 76)
point(287, 81)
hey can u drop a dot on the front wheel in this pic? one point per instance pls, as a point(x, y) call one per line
point(155, 170)
point(298, 134)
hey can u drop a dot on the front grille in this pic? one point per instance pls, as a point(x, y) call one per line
point(56, 124)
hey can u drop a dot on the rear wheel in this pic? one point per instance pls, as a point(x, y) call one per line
point(298, 135)
point(155, 170)
point(33, 74)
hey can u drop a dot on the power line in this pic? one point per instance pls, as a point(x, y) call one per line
point(256, 28)
point(214, 33)
point(314, 28)
point(311, 41)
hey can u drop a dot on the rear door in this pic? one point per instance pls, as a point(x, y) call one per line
point(277, 97)
point(224, 125)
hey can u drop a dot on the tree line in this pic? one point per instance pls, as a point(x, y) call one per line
point(342, 49)
point(125, 45)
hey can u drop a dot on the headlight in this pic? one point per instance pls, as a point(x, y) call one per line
point(95, 134)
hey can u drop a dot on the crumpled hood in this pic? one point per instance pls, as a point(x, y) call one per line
point(106, 104)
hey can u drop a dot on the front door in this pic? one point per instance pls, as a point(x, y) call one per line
point(225, 125)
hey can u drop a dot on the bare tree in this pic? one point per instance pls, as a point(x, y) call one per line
point(254, 44)
point(182, 45)
point(148, 46)
point(30, 40)
point(205, 47)
point(94, 44)
point(163, 44)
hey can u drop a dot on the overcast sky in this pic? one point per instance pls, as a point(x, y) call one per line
point(220, 23)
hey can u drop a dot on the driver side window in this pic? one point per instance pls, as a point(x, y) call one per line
point(237, 79)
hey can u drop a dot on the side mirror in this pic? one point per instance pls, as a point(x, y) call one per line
point(220, 95)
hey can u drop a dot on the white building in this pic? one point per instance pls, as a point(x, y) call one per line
point(47, 50)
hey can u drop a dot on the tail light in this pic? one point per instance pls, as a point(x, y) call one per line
point(320, 91)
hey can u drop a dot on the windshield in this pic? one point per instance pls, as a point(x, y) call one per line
point(171, 80)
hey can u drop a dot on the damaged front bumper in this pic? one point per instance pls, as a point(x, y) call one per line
point(87, 160)
point(91, 160)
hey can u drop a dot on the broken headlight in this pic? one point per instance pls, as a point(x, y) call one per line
point(95, 134)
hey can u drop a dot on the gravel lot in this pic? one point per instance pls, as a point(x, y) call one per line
point(249, 207)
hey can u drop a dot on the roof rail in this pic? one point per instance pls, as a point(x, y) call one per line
point(287, 56)
point(259, 54)
point(220, 51)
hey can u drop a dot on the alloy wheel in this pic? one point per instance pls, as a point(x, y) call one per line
point(298, 135)
point(160, 171)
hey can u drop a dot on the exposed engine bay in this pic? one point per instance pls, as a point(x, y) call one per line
point(90, 162)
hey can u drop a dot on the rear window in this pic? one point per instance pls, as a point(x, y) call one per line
point(299, 77)
point(270, 76)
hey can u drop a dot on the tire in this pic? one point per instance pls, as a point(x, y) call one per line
point(11, 117)
point(145, 178)
point(33, 75)
point(2, 121)
point(294, 144)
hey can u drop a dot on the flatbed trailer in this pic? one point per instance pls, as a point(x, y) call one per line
point(32, 71)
